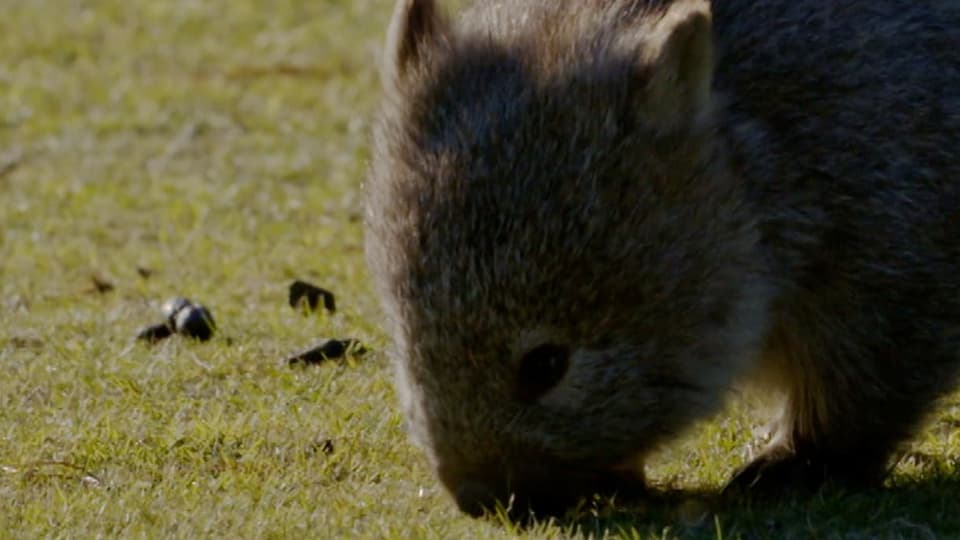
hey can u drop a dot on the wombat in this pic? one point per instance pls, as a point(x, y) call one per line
point(588, 220)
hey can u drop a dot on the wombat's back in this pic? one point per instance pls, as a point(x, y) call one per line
point(845, 121)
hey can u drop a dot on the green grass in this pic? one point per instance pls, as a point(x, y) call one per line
point(221, 145)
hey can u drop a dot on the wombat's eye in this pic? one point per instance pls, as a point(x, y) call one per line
point(540, 370)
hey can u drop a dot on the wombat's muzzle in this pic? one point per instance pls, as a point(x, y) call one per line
point(535, 490)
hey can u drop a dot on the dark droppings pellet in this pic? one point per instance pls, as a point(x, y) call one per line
point(330, 349)
point(195, 321)
point(155, 333)
point(184, 317)
point(101, 284)
point(303, 293)
point(321, 446)
point(173, 306)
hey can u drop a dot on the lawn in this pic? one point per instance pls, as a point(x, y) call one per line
point(216, 149)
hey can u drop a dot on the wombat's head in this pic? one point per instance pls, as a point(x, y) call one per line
point(567, 267)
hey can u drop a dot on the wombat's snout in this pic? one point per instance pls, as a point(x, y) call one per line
point(475, 499)
point(480, 491)
point(551, 492)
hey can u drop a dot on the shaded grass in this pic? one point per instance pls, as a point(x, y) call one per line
point(217, 148)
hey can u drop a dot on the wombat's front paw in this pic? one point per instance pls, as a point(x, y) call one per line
point(780, 471)
point(777, 473)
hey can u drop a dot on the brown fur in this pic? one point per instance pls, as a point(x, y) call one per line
point(669, 196)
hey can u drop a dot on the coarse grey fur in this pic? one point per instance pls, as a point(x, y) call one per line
point(682, 195)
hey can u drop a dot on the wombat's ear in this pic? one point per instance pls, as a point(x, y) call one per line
point(680, 58)
point(414, 26)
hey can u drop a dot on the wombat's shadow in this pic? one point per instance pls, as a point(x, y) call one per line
point(923, 509)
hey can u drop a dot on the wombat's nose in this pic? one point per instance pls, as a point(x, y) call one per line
point(475, 499)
